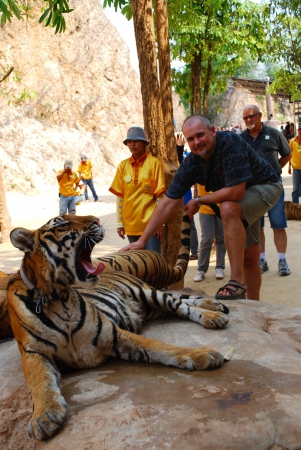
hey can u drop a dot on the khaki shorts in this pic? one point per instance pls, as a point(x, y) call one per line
point(257, 200)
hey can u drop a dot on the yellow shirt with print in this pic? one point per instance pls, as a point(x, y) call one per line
point(139, 183)
point(67, 183)
point(204, 209)
point(85, 170)
point(295, 160)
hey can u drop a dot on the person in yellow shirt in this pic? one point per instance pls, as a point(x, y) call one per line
point(211, 227)
point(139, 185)
point(85, 173)
point(68, 182)
point(295, 163)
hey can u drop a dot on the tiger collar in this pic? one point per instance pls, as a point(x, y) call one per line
point(41, 300)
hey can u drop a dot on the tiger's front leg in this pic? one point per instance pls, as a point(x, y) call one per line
point(179, 305)
point(133, 347)
point(49, 409)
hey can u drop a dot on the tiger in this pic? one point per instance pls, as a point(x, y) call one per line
point(146, 265)
point(62, 315)
point(292, 210)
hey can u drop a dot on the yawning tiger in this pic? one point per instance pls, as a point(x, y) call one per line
point(57, 324)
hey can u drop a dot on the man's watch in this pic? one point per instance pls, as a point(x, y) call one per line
point(198, 201)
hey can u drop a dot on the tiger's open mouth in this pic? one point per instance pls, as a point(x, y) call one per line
point(84, 267)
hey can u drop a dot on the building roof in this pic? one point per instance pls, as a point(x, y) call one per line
point(258, 87)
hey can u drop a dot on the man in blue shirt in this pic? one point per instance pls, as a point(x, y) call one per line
point(245, 186)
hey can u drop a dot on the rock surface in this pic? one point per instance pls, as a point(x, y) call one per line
point(252, 402)
point(87, 96)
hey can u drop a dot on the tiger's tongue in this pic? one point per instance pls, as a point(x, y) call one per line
point(91, 269)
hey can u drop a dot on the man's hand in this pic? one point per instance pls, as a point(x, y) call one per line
point(134, 246)
point(120, 232)
point(180, 140)
point(192, 208)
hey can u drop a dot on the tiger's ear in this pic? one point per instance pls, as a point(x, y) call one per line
point(22, 239)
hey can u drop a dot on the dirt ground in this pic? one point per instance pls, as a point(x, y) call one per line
point(33, 211)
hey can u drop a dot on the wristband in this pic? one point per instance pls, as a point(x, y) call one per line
point(198, 202)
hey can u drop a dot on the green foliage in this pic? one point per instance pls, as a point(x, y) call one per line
point(52, 12)
point(124, 5)
point(13, 94)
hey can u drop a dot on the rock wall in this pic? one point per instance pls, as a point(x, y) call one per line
point(236, 98)
point(87, 95)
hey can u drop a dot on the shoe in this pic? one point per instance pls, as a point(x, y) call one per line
point(193, 257)
point(200, 275)
point(219, 274)
point(263, 264)
point(87, 200)
point(235, 289)
point(283, 268)
point(98, 200)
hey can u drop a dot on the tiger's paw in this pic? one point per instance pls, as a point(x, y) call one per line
point(46, 424)
point(210, 319)
point(204, 359)
point(212, 305)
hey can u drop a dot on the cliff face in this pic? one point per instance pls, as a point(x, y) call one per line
point(87, 96)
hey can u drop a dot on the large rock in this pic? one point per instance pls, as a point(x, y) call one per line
point(87, 96)
point(252, 402)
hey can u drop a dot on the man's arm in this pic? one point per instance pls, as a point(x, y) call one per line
point(284, 160)
point(232, 194)
point(159, 217)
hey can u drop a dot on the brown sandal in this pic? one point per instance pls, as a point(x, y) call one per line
point(235, 294)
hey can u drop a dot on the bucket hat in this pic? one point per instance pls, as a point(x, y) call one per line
point(136, 134)
point(84, 157)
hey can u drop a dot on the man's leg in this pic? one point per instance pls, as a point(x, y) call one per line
point(280, 240)
point(86, 189)
point(235, 239)
point(296, 185)
point(252, 273)
point(91, 186)
point(262, 241)
point(72, 205)
point(194, 242)
point(63, 205)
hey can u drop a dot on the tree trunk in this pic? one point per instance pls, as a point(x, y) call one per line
point(5, 222)
point(206, 87)
point(158, 127)
point(196, 82)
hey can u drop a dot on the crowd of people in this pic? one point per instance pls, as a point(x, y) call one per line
point(235, 176)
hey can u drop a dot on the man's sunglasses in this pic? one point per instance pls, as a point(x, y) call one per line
point(250, 116)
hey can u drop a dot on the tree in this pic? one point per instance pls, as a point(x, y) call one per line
point(156, 97)
point(212, 38)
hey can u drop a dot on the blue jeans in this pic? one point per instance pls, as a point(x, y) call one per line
point(296, 185)
point(91, 186)
point(153, 243)
point(68, 203)
point(211, 227)
point(277, 215)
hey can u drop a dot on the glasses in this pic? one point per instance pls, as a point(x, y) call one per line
point(250, 116)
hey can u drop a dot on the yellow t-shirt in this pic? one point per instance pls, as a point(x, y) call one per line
point(296, 154)
point(67, 183)
point(139, 183)
point(204, 209)
point(86, 170)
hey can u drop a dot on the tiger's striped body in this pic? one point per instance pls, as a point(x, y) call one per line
point(62, 315)
point(150, 266)
point(292, 210)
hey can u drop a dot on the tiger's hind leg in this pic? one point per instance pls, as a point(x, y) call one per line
point(174, 304)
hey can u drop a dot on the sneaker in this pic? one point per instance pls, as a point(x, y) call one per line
point(283, 268)
point(87, 200)
point(193, 257)
point(219, 274)
point(200, 275)
point(263, 264)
